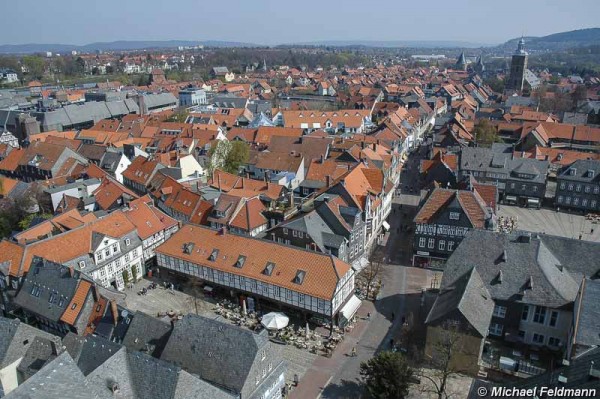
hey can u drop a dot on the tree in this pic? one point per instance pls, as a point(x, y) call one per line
point(35, 64)
point(179, 116)
point(372, 271)
point(387, 375)
point(485, 134)
point(447, 359)
point(228, 156)
point(578, 95)
point(495, 84)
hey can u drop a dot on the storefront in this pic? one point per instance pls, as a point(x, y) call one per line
point(349, 310)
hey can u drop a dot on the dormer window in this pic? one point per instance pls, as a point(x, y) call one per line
point(188, 248)
point(299, 278)
point(268, 270)
point(454, 215)
point(82, 264)
point(590, 174)
point(213, 255)
point(239, 263)
point(127, 241)
point(573, 171)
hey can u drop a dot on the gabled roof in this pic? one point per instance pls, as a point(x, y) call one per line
point(470, 202)
point(323, 272)
point(469, 296)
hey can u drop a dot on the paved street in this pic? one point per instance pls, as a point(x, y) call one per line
point(337, 377)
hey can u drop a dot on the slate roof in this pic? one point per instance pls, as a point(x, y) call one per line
point(487, 160)
point(469, 296)
point(317, 228)
point(147, 334)
point(47, 280)
point(60, 379)
point(587, 314)
point(40, 352)
point(209, 354)
point(16, 338)
point(535, 272)
point(580, 171)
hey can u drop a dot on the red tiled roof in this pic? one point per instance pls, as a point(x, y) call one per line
point(76, 304)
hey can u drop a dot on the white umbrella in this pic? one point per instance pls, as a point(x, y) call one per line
point(275, 321)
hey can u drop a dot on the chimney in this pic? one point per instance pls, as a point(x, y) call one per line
point(322, 158)
point(291, 198)
point(374, 147)
point(114, 311)
point(328, 180)
point(219, 181)
point(223, 230)
point(362, 145)
point(72, 271)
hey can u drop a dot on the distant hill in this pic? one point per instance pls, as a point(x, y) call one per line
point(112, 46)
point(394, 43)
point(557, 41)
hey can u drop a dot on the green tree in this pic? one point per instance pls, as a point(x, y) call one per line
point(237, 157)
point(228, 156)
point(179, 116)
point(387, 375)
point(496, 84)
point(35, 64)
point(485, 133)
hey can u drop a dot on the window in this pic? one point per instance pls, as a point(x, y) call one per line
point(263, 355)
point(135, 252)
point(81, 264)
point(535, 188)
point(431, 243)
point(521, 334)
point(107, 252)
point(294, 233)
point(525, 314)
point(422, 242)
point(450, 245)
point(537, 338)
point(553, 318)
point(587, 189)
point(127, 241)
point(593, 203)
point(126, 257)
point(300, 234)
point(578, 188)
point(584, 202)
point(500, 311)
point(512, 185)
point(285, 231)
point(99, 256)
point(553, 341)
point(539, 316)
point(454, 215)
point(596, 189)
point(118, 262)
point(442, 245)
point(562, 185)
point(568, 200)
point(114, 248)
point(570, 187)
point(576, 201)
point(496, 329)
point(560, 199)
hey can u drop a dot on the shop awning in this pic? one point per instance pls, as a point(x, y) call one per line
point(386, 225)
point(533, 201)
point(350, 308)
point(511, 198)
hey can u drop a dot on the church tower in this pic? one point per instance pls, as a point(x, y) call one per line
point(518, 66)
point(461, 62)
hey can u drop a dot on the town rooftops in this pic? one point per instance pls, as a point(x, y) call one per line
point(583, 170)
point(469, 296)
point(469, 201)
point(322, 272)
point(539, 270)
point(223, 354)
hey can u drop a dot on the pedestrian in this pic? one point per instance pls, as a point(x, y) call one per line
point(368, 315)
point(353, 353)
point(393, 316)
point(592, 231)
point(296, 380)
